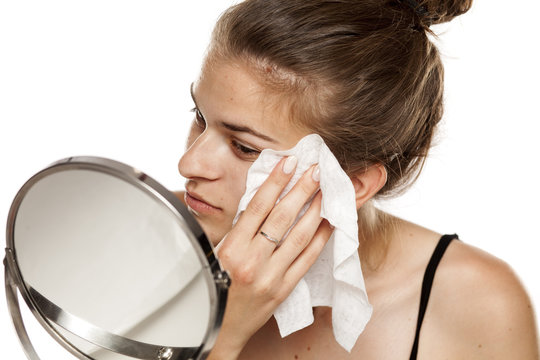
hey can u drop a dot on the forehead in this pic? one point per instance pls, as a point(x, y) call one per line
point(229, 91)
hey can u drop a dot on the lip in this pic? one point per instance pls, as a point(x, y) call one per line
point(198, 205)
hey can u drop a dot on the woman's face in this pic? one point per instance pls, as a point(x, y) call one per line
point(235, 119)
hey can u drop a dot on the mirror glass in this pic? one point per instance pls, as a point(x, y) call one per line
point(110, 264)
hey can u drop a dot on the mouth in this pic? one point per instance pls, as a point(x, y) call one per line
point(198, 205)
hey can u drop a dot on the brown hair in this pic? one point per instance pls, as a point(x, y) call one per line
point(363, 74)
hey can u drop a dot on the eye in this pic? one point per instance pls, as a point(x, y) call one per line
point(199, 118)
point(244, 151)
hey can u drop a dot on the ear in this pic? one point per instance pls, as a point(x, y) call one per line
point(367, 183)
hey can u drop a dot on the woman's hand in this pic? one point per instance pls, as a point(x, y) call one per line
point(264, 274)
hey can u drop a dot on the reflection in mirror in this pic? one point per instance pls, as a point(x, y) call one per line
point(110, 267)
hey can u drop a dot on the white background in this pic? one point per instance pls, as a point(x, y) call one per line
point(111, 78)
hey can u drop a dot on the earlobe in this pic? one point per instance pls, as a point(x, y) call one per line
point(368, 183)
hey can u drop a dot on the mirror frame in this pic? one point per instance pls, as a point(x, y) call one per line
point(14, 281)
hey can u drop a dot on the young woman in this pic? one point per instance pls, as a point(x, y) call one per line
point(364, 75)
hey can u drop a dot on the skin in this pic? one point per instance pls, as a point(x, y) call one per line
point(478, 309)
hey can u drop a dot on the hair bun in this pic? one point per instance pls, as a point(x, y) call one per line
point(439, 11)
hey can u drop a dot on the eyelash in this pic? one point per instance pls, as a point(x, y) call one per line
point(199, 118)
point(240, 149)
point(244, 150)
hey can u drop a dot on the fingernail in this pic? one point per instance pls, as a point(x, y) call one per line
point(289, 164)
point(316, 174)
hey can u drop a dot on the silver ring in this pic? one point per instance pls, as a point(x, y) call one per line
point(268, 237)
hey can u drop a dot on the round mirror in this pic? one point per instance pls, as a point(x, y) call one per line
point(112, 264)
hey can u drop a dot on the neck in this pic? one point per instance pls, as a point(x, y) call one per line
point(375, 231)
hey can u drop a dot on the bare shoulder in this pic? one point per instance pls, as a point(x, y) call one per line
point(481, 306)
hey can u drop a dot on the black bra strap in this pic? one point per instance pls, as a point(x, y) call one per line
point(427, 284)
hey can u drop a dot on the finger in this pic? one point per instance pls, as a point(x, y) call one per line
point(308, 256)
point(285, 213)
point(300, 235)
point(266, 196)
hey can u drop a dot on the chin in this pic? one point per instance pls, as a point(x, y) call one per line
point(215, 227)
point(214, 235)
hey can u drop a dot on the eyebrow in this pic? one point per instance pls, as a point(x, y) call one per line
point(233, 127)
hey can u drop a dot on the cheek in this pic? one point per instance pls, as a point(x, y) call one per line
point(237, 183)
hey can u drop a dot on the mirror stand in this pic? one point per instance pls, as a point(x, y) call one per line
point(12, 300)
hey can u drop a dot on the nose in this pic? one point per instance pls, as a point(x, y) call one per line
point(201, 159)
